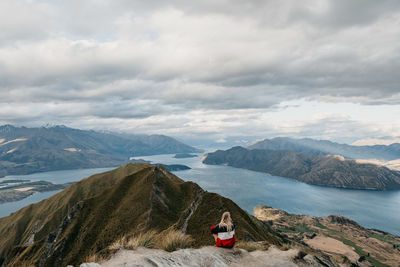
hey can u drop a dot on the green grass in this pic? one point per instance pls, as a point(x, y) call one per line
point(303, 228)
point(320, 225)
point(333, 231)
point(382, 238)
point(357, 249)
point(300, 228)
point(285, 230)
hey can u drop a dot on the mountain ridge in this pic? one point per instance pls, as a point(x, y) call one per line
point(325, 147)
point(318, 170)
point(27, 150)
point(90, 215)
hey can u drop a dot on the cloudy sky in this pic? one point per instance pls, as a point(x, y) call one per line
point(221, 70)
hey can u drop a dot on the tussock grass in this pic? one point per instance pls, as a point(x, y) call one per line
point(252, 246)
point(95, 258)
point(286, 247)
point(118, 244)
point(25, 264)
point(170, 240)
point(146, 240)
point(174, 240)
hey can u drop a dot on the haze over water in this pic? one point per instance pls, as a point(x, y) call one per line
point(371, 209)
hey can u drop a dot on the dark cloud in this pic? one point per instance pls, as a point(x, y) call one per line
point(161, 65)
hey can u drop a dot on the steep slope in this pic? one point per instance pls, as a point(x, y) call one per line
point(324, 147)
point(335, 235)
point(90, 215)
point(27, 150)
point(319, 170)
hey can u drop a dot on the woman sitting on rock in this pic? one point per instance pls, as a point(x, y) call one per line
point(224, 232)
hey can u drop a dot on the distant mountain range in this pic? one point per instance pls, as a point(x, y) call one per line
point(89, 216)
point(324, 147)
point(26, 150)
point(333, 171)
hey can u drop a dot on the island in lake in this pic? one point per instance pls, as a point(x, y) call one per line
point(14, 190)
point(184, 156)
point(175, 167)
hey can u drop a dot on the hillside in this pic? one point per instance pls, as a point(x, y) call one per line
point(318, 170)
point(89, 216)
point(335, 235)
point(324, 147)
point(28, 150)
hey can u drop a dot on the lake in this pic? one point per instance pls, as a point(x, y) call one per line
point(372, 209)
point(56, 177)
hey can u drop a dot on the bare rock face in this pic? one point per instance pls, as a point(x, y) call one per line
point(90, 264)
point(212, 256)
point(343, 220)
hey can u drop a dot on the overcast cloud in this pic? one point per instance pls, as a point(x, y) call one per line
point(207, 70)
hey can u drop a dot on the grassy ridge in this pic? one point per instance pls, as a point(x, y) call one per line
point(88, 217)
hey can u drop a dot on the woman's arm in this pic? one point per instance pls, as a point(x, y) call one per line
point(215, 236)
point(214, 232)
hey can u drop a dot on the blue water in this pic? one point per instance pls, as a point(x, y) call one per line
point(10, 207)
point(372, 209)
point(56, 177)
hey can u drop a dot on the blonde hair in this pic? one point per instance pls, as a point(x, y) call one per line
point(226, 221)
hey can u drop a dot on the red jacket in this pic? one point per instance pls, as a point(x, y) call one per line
point(225, 239)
